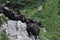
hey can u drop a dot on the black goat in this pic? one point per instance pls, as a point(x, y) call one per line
point(9, 11)
point(33, 27)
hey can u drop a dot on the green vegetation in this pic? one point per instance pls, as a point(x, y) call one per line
point(49, 16)
point(3, 35)
point(3, 19)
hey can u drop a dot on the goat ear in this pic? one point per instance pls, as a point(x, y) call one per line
point(42, 26)
point(39, 23)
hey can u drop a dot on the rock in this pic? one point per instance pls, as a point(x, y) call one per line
point(16, 30)
point(44, 30)
point(40, 8)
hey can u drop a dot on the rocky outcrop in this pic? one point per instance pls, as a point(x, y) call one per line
point(16, 30)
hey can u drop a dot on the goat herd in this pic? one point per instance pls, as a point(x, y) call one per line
point(33, 26)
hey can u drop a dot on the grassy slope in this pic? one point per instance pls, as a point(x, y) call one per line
point(50, 18)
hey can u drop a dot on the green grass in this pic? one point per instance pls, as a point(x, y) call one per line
point(3, 35)
point(49, 16)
